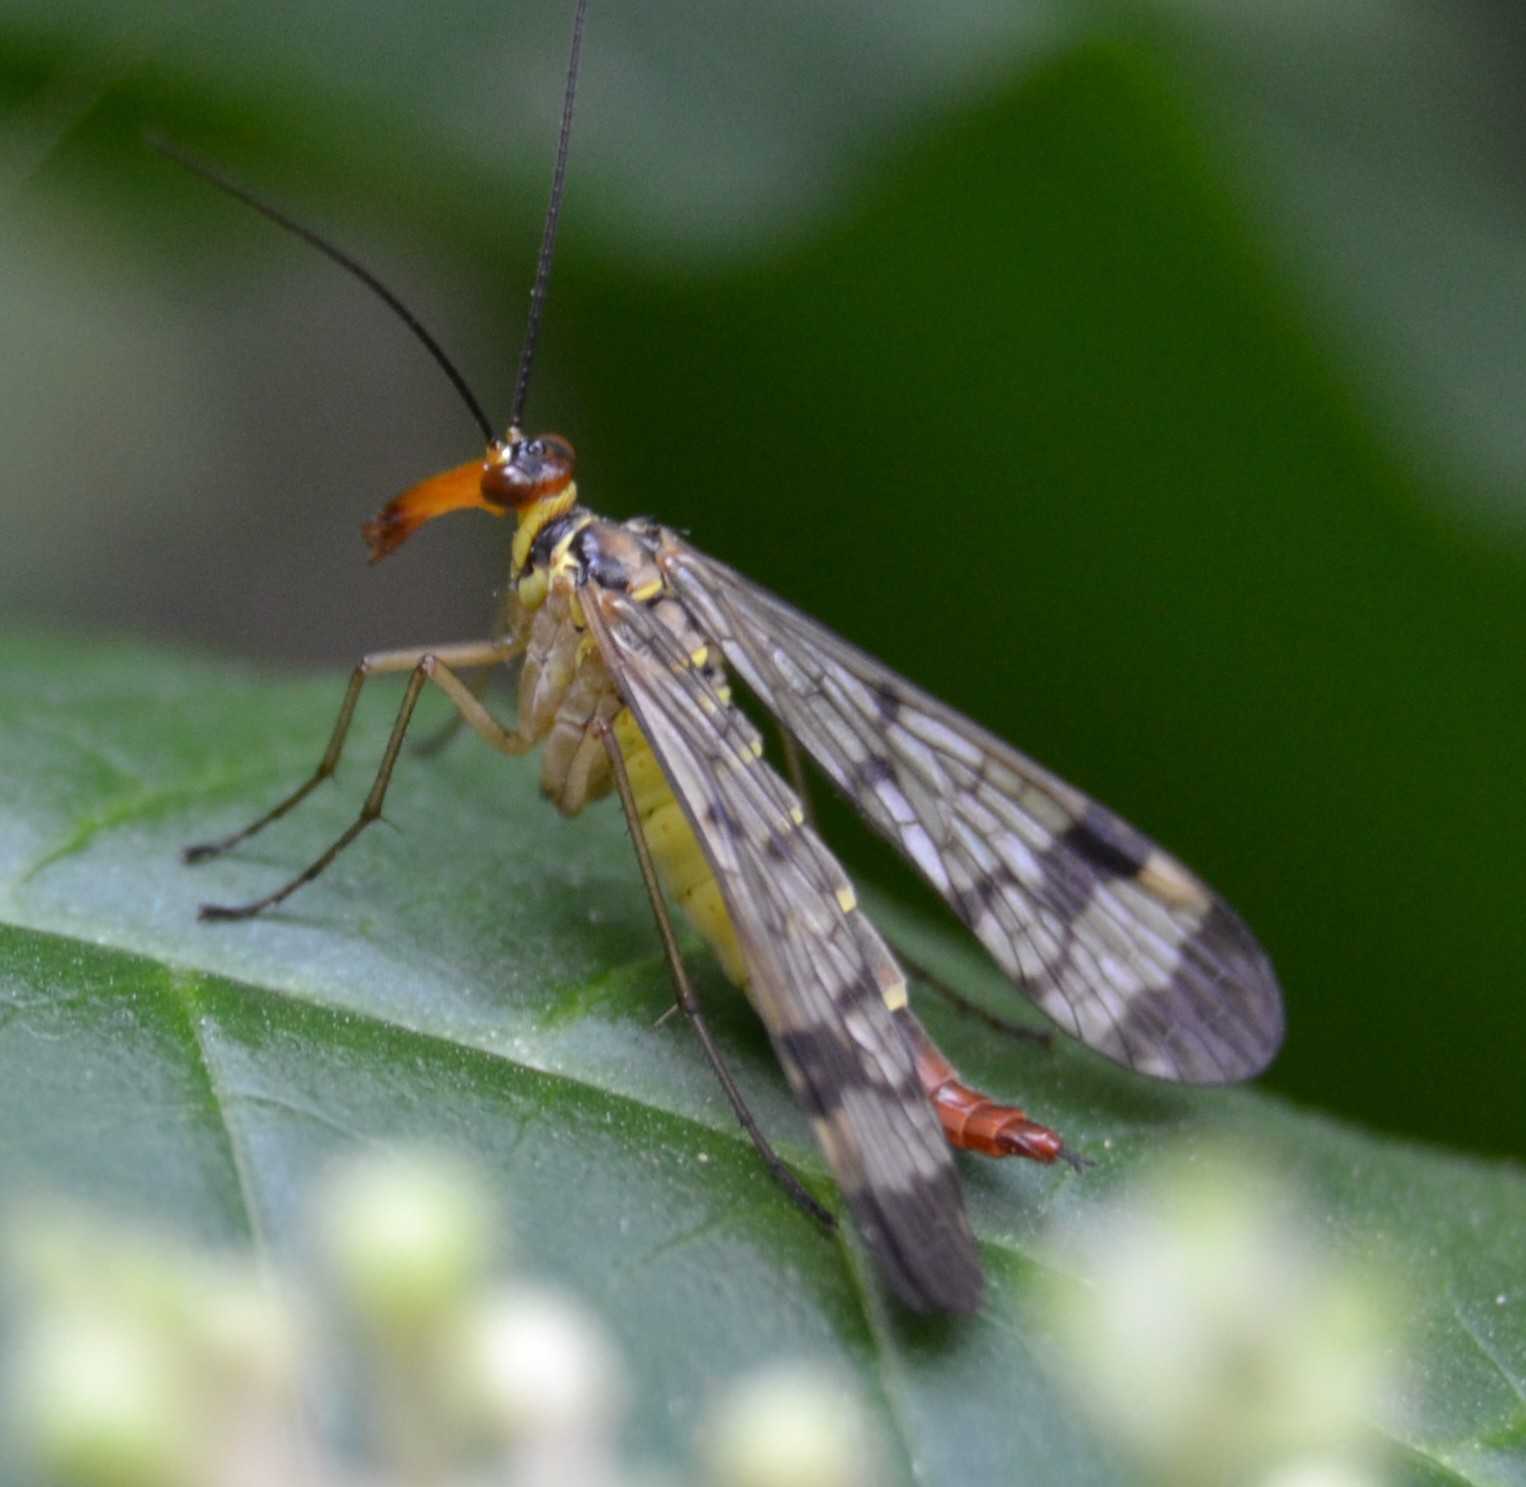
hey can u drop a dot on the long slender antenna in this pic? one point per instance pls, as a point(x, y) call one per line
point(553, 212)
point(337, 255)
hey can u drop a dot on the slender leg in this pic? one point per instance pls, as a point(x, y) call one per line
point(689, 1003)
point(794, 768)
point(973, 1121)
point(466, 654)
point(448, 731)
point(429, 667)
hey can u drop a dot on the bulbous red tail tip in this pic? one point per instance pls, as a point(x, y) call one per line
point(1027, 1138)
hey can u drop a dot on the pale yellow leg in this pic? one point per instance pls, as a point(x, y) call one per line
point(436, 666)
point(427, 664)
point(445, 735)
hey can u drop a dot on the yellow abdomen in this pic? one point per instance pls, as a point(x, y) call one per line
point(681, 864)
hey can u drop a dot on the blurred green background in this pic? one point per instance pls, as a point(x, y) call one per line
point(1145, 380)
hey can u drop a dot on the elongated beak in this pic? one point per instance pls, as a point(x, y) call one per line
point(401, 517)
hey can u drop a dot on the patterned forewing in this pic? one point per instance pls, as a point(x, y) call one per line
point(1112, 937)
point(817, 970)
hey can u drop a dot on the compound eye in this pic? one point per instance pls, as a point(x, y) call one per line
point(528, 470)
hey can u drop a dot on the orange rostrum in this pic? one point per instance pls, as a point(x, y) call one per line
point(400, 518)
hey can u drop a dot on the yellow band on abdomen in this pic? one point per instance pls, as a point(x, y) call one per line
point(681, 863)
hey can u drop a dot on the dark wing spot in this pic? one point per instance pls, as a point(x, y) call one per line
point(1224, 952)
point(1218, 1015)
point(873, 770)
point(981, 894)
point(818, 1071)
point(716, 815)
point(966, 904)
point(774, 846)
point(886, 702)
point(923, 1243)
point(1105, 842)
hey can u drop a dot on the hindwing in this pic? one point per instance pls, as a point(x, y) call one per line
point(1110, 935)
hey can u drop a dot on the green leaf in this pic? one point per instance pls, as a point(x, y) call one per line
point(486, 975)
point(1155, 367)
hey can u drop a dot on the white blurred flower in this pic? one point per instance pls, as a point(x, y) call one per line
point(407, 1236)
point(1323, 1471)
point(1214, 1335)
point(102, 1402)
point(534, 1365)
point(145, 1362)
point(140, 1355)
point(791, 1425)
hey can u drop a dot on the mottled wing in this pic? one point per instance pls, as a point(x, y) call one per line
point(818, 973)
point(1118, 942)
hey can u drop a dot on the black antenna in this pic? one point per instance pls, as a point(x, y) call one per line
point(553, 212)
point(338, 255)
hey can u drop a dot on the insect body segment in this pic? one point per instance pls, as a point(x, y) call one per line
point(680, 860)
